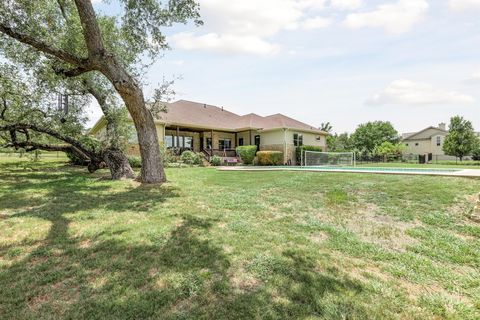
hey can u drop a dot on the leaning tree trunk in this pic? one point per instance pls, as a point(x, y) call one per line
point(118, 164)
point(152, 162)
point(129, 90)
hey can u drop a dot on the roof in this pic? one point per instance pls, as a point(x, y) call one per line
point(199, 115)
point(418, 135)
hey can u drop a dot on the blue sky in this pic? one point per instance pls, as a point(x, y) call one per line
point(415, 63)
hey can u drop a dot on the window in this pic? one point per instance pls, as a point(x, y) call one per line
point(297, 139)
point(318, 138)
point(416, 144)
point(224, 144)
point(240, 141)
point(439, 141)
point(188, 143)
point(209, 143)
point(257, 142)
point(169, 141)
point(173, 141)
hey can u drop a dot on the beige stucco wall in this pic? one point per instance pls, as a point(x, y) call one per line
point(424, 146)
point(282, 140)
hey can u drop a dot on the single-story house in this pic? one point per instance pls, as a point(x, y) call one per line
point(199, 127)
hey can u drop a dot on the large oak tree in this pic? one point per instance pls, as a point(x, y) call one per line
point(50, 27)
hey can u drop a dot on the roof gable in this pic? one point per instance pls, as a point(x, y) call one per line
point(426, 133)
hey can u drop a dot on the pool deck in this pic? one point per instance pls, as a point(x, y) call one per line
point(466, 173)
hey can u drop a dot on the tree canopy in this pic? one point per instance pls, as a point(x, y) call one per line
point(72, 39)
point(461, 139)
point(372, 134)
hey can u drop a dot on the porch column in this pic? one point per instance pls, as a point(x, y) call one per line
point(236, 141)
point(250, 137)
point(211, 139)
point(178, 137)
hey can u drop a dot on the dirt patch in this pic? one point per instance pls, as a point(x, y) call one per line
point(243, 281)
point(382, 230)
point(319, 237)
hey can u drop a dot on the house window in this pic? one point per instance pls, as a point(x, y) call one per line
point(224, 144)
point(439, 141)
point(297, 140)
point(416, 144)
point(169, 141)
point(188, 143)
point(174, 141)
point(318, 138)
point(257, 142)
point(240, 141)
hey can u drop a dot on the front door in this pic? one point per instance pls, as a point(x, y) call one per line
point(257, 142)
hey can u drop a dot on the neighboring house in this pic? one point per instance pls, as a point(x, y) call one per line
point(428, 141)
point(213, 130)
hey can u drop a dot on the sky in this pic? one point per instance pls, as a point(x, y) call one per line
point(414, 63)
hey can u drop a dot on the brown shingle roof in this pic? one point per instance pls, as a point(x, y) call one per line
point(199, 115)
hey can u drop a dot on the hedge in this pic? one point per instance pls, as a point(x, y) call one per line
point(247, 153)
point(135, 162)
point(191, 158)
point(270, 158)
point(299, 150)
point(216, 161)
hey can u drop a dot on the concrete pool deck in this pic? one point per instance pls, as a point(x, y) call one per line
point(447, 172)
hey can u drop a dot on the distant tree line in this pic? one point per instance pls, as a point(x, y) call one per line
point(381, 139)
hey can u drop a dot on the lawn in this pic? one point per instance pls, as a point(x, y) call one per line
point(236, 245)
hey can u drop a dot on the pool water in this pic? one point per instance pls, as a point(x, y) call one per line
point(378, 169)
point(353, 169)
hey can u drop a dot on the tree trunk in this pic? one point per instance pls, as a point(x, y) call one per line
point(118, 164)
point(152, 162)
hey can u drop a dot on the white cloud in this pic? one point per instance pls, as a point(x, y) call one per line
point(474, 79)
point(408, 92)
point(226, 43)
point(395, 18)
point(461, 5)
point(316, 23)
point(246, 26)
point(346, 4)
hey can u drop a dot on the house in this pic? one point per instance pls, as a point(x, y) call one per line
point(428, 141)
point(214, 130)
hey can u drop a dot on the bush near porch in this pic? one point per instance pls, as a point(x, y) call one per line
point(247, 153)
point(270, 158)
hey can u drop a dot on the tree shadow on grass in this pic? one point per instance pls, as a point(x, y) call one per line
point(182, 274)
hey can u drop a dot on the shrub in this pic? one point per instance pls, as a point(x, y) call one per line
point(216, 161)
point(247, 153)
point(299, 150)
point(270, 158)
point(135, 161)
point(191, 158)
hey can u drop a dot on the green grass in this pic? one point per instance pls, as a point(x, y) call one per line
point(236, 245)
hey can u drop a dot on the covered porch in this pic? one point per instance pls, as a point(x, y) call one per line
point(208, 141)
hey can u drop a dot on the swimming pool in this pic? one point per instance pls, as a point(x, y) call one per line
point(378, 169)
point(367, 170)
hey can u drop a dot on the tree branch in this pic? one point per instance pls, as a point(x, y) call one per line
point(43, 47)
point(24, 126)
point(91, 29)
point(32, 146)
point(5, 106)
